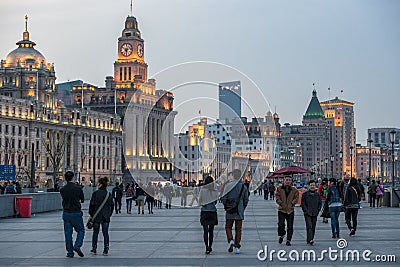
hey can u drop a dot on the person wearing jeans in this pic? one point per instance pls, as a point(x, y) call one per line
point(235, 190)
point(103, 217)
point(351, 203)
point(311, 204)
point(72, 197)
point(286, 198)
point(335, 206)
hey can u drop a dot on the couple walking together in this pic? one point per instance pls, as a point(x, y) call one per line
point(235, 199)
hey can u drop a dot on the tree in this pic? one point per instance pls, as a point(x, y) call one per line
point(54, 145)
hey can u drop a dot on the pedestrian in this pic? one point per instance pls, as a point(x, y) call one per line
point(72, 197)
point(235, 199)
point(372, 194)
point(168, 191)
point(159, 195)
point(362, 190)
point(247, 184)
point(323, 191)
point(140, 196)
point(195, 195)
point(18, 188)
point(352, 199)
point(311, 204)
point(271, 190)
point(9, 189)
point(260, 189)
point(117, 196)
point(150, 191)
point(183, 195)
point(335, 205)
point(379, 194)
point(208, 216)
point(129, 198)
point(286, 198)
point(266, 190)
point(102, 219)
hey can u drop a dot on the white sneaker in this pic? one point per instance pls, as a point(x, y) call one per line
point(237, 250)
point(230, 246)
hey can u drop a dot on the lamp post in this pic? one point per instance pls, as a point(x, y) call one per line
point(341, 163)
point(326, 168)
point(369, 171)
point(332, 160)
point(392, 139)
point(351, 162)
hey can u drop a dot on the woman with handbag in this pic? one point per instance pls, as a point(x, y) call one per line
point(100, 209)
point(352, 200)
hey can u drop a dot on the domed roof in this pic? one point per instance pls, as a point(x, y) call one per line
point(25, 57)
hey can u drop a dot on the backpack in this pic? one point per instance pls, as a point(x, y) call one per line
point(231, 205)
point(265, 187)
point(10, 190)
point(324, 191)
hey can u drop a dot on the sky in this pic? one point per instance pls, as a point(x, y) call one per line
point(278, 49)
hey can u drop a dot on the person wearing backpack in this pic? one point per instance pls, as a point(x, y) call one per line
point(129, 198)
point(323, 191)
point(352, 200)
point(103, 215)
point(379, 194)
point(235, 199)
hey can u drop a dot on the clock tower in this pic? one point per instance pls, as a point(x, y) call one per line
point(130, 62)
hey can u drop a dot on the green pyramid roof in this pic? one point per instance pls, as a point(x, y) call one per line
point(314, 110)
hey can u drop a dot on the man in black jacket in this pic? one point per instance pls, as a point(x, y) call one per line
point(72, 197)
point(311, 204)
point(117, 195)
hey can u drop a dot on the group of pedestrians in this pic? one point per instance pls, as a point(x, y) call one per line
point(101, 207)
point(10, 187)
point(376, 192)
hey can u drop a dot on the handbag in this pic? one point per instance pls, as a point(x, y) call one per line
point(325, 211)
point(90, 221)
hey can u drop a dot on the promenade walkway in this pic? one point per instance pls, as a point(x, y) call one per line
point(174, 238)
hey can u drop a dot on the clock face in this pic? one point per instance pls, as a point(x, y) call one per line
point(126, 49)
point(140, 50)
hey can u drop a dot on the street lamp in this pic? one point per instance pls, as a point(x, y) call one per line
point(369, 172)
point(392, 139)
point(351, 161)
point(332, 160)
point(341, 163)
point(326, 168)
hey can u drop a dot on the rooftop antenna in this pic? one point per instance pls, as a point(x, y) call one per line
point(26, 23)
point(131, 8)
point(329, 91)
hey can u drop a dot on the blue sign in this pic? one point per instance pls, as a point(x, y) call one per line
point(7, 172)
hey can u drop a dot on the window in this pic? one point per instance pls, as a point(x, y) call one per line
point(19, 130)
point(6, 130)
point(26, 131)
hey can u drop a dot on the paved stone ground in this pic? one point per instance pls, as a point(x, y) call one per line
point(174, 238)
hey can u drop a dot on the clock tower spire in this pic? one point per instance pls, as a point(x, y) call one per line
point(130, 65)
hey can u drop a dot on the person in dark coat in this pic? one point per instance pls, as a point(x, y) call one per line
point(150, 191)
point(352, 198)
point(311, 204)
point(103, 217)
point(117, 195)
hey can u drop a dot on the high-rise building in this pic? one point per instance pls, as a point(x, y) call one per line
point(230, 101)
point(339, 115)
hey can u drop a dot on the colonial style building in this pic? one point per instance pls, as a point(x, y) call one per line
point(147, 113)
point(41, 136)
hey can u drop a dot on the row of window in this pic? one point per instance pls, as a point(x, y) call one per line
point(13, 130)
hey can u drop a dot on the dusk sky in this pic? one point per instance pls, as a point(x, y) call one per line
point(282, 46)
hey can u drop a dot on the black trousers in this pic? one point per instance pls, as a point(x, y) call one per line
point(266, 194)
point(311, 222)
point(117, 204)
point(372, 200)
point(208, 235)
point(289, 218)
point(351, 215)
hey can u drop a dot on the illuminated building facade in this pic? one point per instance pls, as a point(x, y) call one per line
point(339, 115)
point(34, 124)
point(147, 113)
